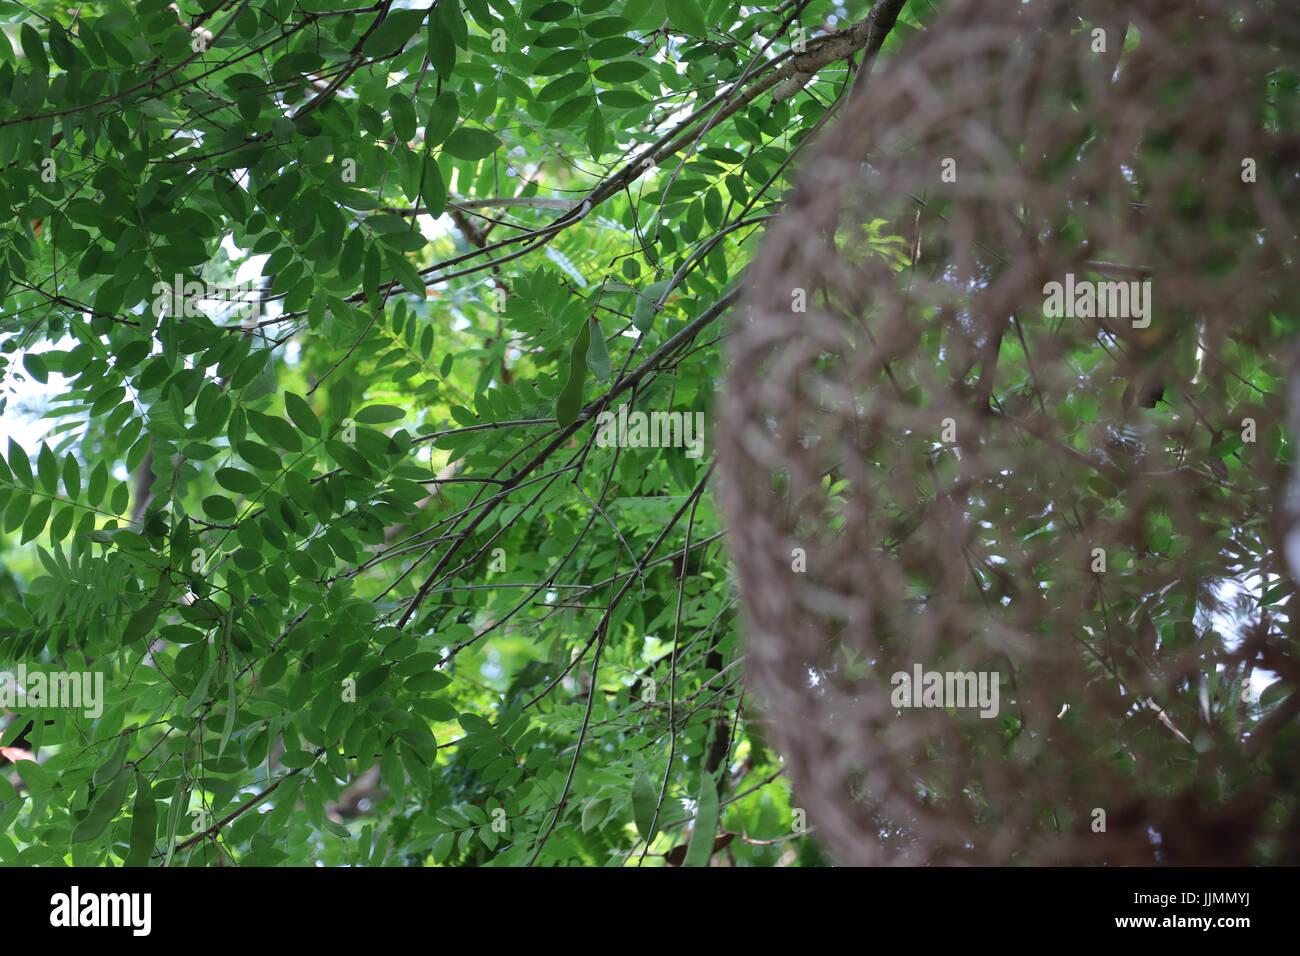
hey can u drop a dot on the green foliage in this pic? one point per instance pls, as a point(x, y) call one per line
point(357, 577)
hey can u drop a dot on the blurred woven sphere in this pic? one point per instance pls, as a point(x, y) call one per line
point(1006, 405)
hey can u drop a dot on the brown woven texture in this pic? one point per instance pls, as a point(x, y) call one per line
point(855, 356)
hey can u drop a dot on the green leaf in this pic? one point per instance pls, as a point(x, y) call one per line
point(391, 772)
point(1226, 447)
point(19, 464)
point(597, 354)
point(552, 12)
point(686, 16)
point(471, 144)
point(232, 705)
point(561, 88)
point(441, 46)
point(141, 623)
point(569, 403)
point(71, 476)
point(442, 118)
point(372, 680)
point(60, 48)
point(476, 723)
point(36, 777)
point(176, 812)
point(200, 690)
point(621, 71)
point(238, 481)
point(593, 814)
point(274, 430)
point(1273, 693)
point(110, 768)
point(406, 273)
point(111, 44)
point(706, 823)
point(258, 455)
point(98, 484)
point(645, 797)
point(350, 255)
point(393, 32)
point(402, 112)
point(62, 523)
point(144, 823)
point(608, 27)
point(378, 414)
point(33, 48)
point(274, 669)
point(1273, 594)
point(219, 507)
point(35, 521)
point(36, 367)
point(561, 61)
point(596, 134)
point(434, 188)
point(108, 801)
point(47, 468)
point(302, 415)
point(643, 316)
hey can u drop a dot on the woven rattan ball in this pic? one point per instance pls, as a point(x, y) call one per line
point(932, 460)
